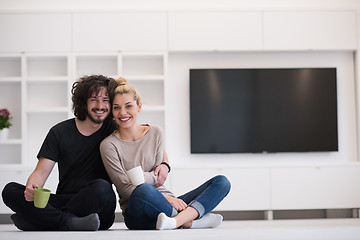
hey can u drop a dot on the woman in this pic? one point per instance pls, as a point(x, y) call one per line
point(147, 206)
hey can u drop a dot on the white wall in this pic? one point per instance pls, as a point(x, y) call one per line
point(177, 101)
point(81, 5)
point(177, 96)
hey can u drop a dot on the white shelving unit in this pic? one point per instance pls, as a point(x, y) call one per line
point(45, 80)
point(147, 73)
point(36, 88)
point(11, 89)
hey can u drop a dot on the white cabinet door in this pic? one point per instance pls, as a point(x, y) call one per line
point(132, 31)
point(208, 31)
point(310, 31)
point(35, 32)
point(250, 187)
point(315, 187)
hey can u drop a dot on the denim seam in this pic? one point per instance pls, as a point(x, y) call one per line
point(199, 207)
point(174, 212)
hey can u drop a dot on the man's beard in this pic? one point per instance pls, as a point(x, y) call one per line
point(96, 120)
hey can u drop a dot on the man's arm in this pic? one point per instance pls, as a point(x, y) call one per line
point(38, 177)
point(162, 171)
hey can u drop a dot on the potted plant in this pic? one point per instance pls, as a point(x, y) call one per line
point(4, 123)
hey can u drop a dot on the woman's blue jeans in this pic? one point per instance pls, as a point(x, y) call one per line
point(146, 202)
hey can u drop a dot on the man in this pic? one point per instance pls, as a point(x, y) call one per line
point(84, 199)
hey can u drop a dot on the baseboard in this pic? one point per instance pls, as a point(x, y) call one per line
point(255, 215)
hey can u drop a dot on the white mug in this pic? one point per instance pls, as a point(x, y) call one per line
point(136, 175)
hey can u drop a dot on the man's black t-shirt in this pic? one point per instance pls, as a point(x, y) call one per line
point(78, 156)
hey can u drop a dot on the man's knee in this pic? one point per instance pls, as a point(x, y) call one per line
point(11, 190)
point(103, 189)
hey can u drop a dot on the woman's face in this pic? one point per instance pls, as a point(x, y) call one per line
point(125, 110)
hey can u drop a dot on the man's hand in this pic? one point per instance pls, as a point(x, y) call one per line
point(29, 192)
point(38, 177)
point(162, 172)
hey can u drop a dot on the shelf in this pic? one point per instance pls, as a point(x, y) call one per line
point(10, 67)
point(10, 154)
point(11, 142)
point(140, 65)
point(145, 78)
point(89, 64)
point(152, 118)
point(47, 66)
point(10, 79)
point(45, 95)
point(152, 93)
point(147, 108)
point(48, 110)
point(46, 79)
point(18, 167)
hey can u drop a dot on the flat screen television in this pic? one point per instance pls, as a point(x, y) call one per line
point(263, 110)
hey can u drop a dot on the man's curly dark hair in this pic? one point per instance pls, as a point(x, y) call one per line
point(85, 87)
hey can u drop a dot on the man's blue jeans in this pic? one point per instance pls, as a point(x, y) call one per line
point(146, 202)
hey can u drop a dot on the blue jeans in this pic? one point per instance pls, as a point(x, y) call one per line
point(146, 202)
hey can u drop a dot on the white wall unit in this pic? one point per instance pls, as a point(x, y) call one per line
point(310, 30)
point(315, 187)
point(61, 47)
point(126, 31)
point(250, 187)
point(278, 188)
point(41, 32)
point(209, 31)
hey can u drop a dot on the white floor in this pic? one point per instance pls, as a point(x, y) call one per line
point(319, 229)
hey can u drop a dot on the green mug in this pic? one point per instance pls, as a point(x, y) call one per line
point(41, 197)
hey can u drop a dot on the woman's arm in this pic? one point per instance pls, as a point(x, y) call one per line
point(115, 170)
point(177, 203)
point(162, 171)
point(38, 177)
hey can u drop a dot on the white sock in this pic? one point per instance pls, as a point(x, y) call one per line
point(210, 220)
point(165, 223)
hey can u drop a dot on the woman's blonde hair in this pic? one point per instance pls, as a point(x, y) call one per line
point(124, 87)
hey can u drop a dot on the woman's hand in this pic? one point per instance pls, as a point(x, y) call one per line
point(162, 172)
point(177, 203)
point(29, 192)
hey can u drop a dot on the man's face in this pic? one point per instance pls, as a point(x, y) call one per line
point(98, 106)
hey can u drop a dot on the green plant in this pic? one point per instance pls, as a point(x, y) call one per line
point(4, 118)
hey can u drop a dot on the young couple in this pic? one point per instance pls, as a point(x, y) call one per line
point(84, 199)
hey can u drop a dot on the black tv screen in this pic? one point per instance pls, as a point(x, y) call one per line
point(263, 110)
